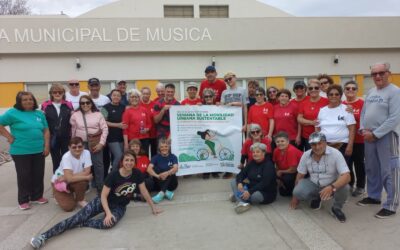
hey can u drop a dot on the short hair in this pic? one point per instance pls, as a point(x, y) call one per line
point(170, 86)
point(160, 86)
point(137, 142)
point(75, 140)
point(313, 80)
point(271, 87)
point(281, 134)
point(18, 100)
point(115, 90)
point(93, 109)
point(230, 74)
point(127, 153)
point(351, 82)
point(255, 83)
point(164, 140)
point(261, 89)
point(260, 146)
point(386, 64)
point(57, 87)
point(135, 92)
point(333, 87)
point(284, 91)
point(322, 76)
point(145, 88)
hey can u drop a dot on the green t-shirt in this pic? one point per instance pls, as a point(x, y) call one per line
point(27, 129)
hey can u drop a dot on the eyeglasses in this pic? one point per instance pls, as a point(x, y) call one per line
point(94, 84)
point(85, 103)
point(208, 96)
point(57, 92)
point(351, 88)
point(272, 91)
point(333, 94)
point(313, 88)
point(380, 73)
point(74, 84)
point(324, 82)
point(228, 79)
point(77, 147)
point(255, 132)
point(259, 94)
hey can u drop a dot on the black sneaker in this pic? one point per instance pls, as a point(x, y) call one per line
point(206, 176)
point(384, 213)
point(338, 214)
point(316, 204)
point(368, 201)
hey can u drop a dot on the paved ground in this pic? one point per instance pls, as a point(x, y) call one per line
point(199, 218)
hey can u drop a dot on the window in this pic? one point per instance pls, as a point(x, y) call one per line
point(39, 90)
point(214, 11)
point(173, 11)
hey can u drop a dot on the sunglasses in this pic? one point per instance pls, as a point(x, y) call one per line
point(272, 91)
point(208, 96)
point(255, 132)
point(228, 79)
point(77, 147)
point(85, 103)
point(324, 82)
point(380, 73)
point(57, 92)
point(74, 84)
point(94, 85)
point(313, 88)
point(334, 94)
point(351, 88)
point(299, 87)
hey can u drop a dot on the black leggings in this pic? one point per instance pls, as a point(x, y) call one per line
point(170, 184)
point(357, 158)
point(288, 181)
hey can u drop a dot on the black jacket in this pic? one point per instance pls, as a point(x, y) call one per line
point(58, 124)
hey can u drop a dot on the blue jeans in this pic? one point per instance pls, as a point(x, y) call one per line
point(255, 197)
point(116, 149)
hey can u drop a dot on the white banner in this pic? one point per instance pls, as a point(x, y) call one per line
point(206, 138)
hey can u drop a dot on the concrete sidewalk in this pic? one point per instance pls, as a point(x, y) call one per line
point(200, 217)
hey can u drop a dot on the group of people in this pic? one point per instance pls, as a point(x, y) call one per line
point(302, 147)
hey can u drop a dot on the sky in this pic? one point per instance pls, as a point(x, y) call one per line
point(295, 7)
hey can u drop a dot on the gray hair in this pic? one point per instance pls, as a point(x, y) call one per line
point(260, 146)
point(145, 87)
point(135, 92)
point(208, 91)
point(313, 80)
point(160, 86)
point(351, 82)
point(386, 64)
point(164, 140)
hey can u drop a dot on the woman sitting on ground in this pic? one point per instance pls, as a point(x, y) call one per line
point(287, 158)
point(115, 196)
point(256, 183)
point(74, 173)
point(163, 168)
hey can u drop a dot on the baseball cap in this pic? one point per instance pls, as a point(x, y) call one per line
point(93, 80)
point(210, 69)
point(316, 137)
point(299, 84)
point(191, 85)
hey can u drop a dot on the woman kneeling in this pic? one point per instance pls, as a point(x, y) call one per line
point(115, 196)
point(256, 183)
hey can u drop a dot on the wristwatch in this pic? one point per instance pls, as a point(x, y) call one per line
point(333, 188)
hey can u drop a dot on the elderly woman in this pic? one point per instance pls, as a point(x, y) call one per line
point(256, 183)
point(357, 157)
point(262, 113)
point(138, 121)
point(285, 117)
point(255, 136)
point(163, 168)
point(338, 125)
point(308, 111)
point(286, 158)
point(112, 113)
point(89, 124)
point(115, 196)
point(74, 172)
point(300, 91)
point(272, 95)
point(29, 145)
point(58, 112)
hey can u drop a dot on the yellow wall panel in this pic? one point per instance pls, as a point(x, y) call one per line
point(84, 86)
point(8, 91)
point(336, 79)
point(148, 83)
point(278, 82)
point(360, 83)
point(395, 78)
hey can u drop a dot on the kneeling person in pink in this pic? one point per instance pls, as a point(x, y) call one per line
point(75, 166)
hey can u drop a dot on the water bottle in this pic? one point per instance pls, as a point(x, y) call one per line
point(142, 127)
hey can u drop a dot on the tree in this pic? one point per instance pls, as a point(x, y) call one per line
point(14, 7)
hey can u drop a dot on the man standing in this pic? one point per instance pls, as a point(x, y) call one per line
point(160, 90)
point(211, 82)
point(149, 105)
point(329, 176)
point(74, 93)
point(192, 98)
point(161, 111)
point(121, 86)
point(252, 87)
point(94, 88)
point(380, 126)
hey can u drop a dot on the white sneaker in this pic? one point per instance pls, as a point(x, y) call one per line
point(242, 207)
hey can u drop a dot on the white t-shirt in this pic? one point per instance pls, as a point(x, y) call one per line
point(74, 99)
point(333, 123)
point(76, 165)
point(58, 107)
point(101, 101)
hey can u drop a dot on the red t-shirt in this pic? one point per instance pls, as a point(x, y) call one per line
point(142, 163)
point(136, 118)
point(187, 101)
point(274, 102)
point(357, 107)
point(310, 111)
point(288, 158)
point(297, 103)
point(247, 144)
point(149, 106)
point(286, 119)
point(260, 114)
point(218, 86)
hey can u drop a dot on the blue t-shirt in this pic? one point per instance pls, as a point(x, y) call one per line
point(163, 163)
point(27, 129)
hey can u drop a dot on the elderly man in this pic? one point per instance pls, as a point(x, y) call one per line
point(74, 94)
point(380, 127)
point(329, 176)
point(160, 90)
point(94, 88)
